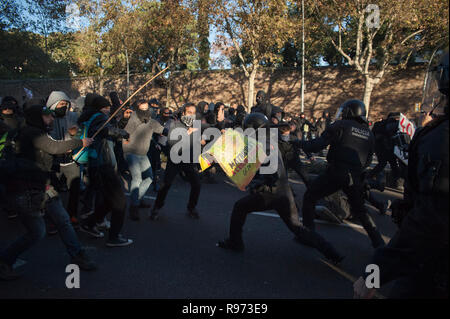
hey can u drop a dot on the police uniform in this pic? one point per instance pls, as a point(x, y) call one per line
point(272, 192)
point(351, 149)
point(291, 157)
point(417, 256)
point(384, 132)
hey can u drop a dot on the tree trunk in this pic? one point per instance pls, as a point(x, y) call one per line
point(368, 88)
point(251, 87)
point(169, 91)
point(102, 80)
point(128, 74)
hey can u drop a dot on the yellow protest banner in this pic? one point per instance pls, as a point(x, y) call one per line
point(239, 155)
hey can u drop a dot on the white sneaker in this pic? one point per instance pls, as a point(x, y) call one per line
point(86, 215)
point(105, 225)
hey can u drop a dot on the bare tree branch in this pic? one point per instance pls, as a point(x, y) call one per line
point(359, 36)
point(236, 46)
point(411, 35)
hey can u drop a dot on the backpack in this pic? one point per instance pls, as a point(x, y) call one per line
point(88, 152)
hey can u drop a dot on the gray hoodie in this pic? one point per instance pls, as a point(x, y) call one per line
point(61, 124)
point(140, 135)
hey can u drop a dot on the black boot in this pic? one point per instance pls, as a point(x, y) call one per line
point(144, 204)
point(331, 254)
point(134, 212)
point(377, 240)
point(312, 239)
point(234, 245)
point(84, 261)
point(193, 213)
point(154, 214)
point(7, 272)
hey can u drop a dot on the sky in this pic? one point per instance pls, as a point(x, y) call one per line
point(74, 22)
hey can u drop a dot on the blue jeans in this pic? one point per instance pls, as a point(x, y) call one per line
point(141, 176)
point(28, 206)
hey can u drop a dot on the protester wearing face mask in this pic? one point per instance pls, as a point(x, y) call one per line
point(240, 115)
point(219, 116)
point(277, 115)
point(32, 190)
point(164, 118)
point(109, 195)
point(141, 129)
point(154, 107)
point(12, 122)
point(190, 168)
point(64, 128)
point(202, 111)
point(9, 114)
point(126, 115)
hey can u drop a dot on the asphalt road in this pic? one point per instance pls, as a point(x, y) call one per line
point(176, 257)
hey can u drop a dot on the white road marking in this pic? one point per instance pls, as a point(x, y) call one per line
point(347, 224)
point(19, 263)
point(146, 197)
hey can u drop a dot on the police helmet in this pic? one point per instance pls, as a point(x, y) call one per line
point(352, 109)
point(256, 121)
point(394, 115)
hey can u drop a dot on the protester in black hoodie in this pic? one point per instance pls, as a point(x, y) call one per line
point(202, 111)
point(110, 196)
point(9, 115)
point(7, 136)
point(32, 190)
point(262, 104)
point(11, 122)
point(240, 115)
point(188, 167)
point(219, 116)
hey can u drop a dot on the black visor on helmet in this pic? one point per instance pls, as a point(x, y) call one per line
point(435, 93)
point(352, 109)
point(256, 121)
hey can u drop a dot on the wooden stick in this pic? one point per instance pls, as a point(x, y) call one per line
point(119, 108)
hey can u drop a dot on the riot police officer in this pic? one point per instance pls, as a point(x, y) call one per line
point(384, 132)
point(417, 256)
point(272, 192)
point(351, 149)
point(291, 153)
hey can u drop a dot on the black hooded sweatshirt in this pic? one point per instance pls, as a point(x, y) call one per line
point(35, 149)
point(262, 104)
point(109, 133)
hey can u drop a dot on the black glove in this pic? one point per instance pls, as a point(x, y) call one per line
point(400, 209)
point(117, 133)
point(125, 135)
point(297, 143)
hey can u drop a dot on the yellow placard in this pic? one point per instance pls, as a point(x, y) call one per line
point(239, 155)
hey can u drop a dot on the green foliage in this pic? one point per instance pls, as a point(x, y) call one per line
point(23, 56)
point(154, 34)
